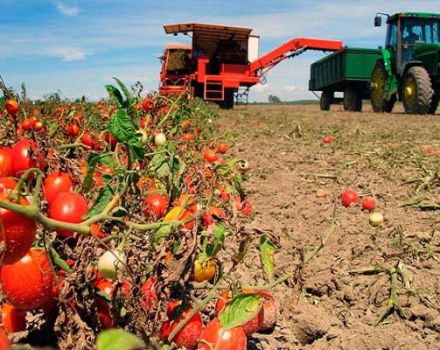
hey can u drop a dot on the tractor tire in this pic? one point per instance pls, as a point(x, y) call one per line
point(417, 93)
point(377, 95)
point(326, 100)
point(352, 99)
point(228, 102)
point(434, 103)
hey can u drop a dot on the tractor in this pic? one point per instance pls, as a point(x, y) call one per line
point(222, 62)
point(408, 68)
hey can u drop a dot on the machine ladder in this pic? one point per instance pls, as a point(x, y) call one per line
point(213, 90)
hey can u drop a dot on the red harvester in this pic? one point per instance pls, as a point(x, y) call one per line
point(222, 61)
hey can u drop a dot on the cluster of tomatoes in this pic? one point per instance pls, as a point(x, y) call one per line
point(207, 199)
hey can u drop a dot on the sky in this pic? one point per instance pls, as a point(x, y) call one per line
point(76, 47)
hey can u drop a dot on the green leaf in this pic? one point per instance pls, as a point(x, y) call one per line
point(92, 160)
point(123, 129)
point(115, 95)
point(159, 166)
point(124, 90)
point(242, 309)
point(59, 261)
point(210, 250)
point(118, 339)
point(267, 251)
point(121, 126)
point(104, 198)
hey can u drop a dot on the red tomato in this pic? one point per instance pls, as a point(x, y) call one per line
point(55, 183)
point(225, 297)
point(5, 344)
point(27, 124)
point(188, 137)
point(104, 313)
point(12, 106)
point(111, 140)
point(26, 154)
point(148, 104)
point(27, 283)
point(215, 212)
point(155, 205)
point(369, 203)
point(148, 292)
point(327, 139)
point(68, 207)
point(210, 156)
point(215, 337)
point(188, 335)
point(19, 232)
point(222, 148)
point(5, 162)
point(349, 197)
point(72, 129)
point(87, 139)
point(7, 183)
point(269, 314)
point(244, 207)
point(12, 319)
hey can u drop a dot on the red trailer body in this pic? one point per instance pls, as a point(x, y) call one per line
point(223, 59)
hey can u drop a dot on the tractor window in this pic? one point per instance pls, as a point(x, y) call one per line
point(420, 30)
point(392, 36)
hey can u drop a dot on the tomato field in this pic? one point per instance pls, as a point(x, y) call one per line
point(149, 222)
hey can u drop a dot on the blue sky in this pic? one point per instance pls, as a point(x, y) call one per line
point(76, 47)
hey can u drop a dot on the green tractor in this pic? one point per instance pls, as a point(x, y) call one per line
point(409, 67)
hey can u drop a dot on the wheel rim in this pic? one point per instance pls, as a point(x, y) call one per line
point(378, 91)
point(410, 92)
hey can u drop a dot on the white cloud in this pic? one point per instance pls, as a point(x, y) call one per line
point(68, 54)
point(69, 11)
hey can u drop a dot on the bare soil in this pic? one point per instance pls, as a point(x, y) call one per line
point(368, 287)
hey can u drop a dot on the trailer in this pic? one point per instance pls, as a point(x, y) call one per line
point(347, 71)
point(223, 61)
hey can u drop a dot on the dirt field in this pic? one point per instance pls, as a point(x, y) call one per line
point(343, 298)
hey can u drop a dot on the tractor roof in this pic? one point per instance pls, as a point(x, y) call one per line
point(414, 14)
point(180, 46)
point(207, 32)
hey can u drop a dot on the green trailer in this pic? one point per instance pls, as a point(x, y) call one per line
point(348, 71)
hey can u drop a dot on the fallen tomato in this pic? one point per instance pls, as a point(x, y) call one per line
point(216, 337)
point(349, 197)
point(369, 203)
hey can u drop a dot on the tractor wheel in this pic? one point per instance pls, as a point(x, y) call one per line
point(352, 99)
point(434, 104)
point(228, 102)
point(326, 100)
point(417, 91)
point(377, 95)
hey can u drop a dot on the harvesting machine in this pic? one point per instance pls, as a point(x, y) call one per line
point(223, 61)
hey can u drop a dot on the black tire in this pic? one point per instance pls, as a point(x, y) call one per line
point(434, 103)
point(228, 102)
point(352, 99)
point(326, 100)
point(377, 94)
point(417, 93)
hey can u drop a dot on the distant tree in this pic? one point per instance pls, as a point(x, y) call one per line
point(274, 99)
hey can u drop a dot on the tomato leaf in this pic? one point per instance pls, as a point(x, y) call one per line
point(104, 198)
point(210, 250)
point(115, 95)
point(92, 160)
point(267, 251)
point(59, 261)
point(159, 166)
point(124, 89)
point(242, 309)
point(121, 127)
point(118, 339)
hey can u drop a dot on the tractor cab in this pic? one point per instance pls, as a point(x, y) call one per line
point(410, 35)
